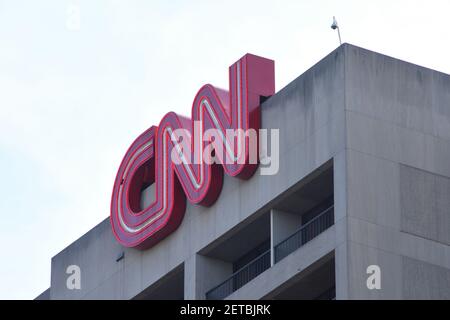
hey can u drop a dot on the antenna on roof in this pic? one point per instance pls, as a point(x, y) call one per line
point(335, 26)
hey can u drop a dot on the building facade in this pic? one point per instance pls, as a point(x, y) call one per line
point(360, 207)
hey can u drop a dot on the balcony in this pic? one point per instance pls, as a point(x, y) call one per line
point(304, 234)
point(307, 232)
point(240, 277)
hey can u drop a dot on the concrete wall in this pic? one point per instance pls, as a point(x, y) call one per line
point(44, 295)
point(386, 125)
point(398, 152)
point(282, 225)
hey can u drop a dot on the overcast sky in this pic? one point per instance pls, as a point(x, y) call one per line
point(73, 96)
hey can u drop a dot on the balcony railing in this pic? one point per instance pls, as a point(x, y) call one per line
point(240, 277)
point(307, 232)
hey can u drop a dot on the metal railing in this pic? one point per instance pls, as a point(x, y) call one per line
point(307, 232)
point(240, 277)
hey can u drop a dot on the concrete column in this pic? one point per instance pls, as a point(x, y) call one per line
point(282, 225)
point(340, 221)
point(202, 274)
point(189, 278)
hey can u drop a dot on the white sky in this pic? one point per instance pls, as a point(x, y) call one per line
point(71, 101)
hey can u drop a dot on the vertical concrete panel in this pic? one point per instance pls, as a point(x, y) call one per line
point(418, 202)
point(425, 202)
point(442, 195)
point(423, 280)
point(341, 271)
point(340, 185)
point(282, 225)
point(202, 274)
point(190, 278)
point(340, 181)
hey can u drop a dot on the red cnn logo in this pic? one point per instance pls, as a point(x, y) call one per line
point(148, 160)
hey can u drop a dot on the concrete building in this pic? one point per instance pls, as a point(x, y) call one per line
point(364, 180)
